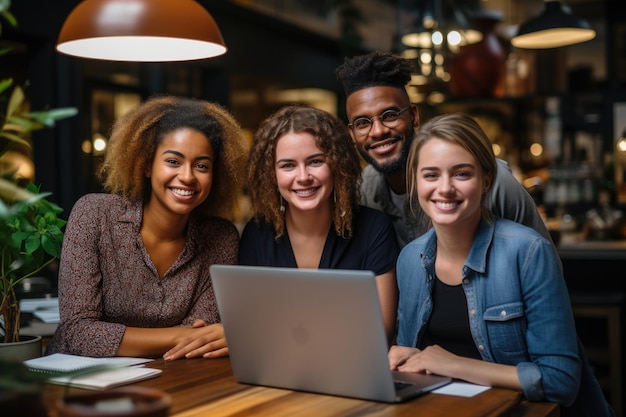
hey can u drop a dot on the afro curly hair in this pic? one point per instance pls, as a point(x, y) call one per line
point(373, 70)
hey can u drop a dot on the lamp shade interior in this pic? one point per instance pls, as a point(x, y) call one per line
point(141, 30)
point(553, 28)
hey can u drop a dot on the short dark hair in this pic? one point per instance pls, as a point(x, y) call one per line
point(374, 69)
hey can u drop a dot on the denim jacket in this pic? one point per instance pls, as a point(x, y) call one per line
point(518, 306)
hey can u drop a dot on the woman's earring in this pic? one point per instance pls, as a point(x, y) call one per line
point(282, 204)
point(343, 212)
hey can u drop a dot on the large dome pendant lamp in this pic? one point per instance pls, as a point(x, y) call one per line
point(141, 31)
point(553, 28)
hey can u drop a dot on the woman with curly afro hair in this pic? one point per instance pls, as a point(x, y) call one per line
point(134, 268)
point(303, 180)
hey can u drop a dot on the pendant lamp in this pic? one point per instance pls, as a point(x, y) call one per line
point(553, 28)
point(140, 31)
point(620, 144)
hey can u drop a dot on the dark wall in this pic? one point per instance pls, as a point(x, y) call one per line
point(259, 48)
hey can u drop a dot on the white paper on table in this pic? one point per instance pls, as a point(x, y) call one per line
point(47, 315)
point(29, 305)
point(461, 389)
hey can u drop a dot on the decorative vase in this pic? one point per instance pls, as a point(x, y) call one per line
point(131, 401)
point(478, 69)
point(28, 347)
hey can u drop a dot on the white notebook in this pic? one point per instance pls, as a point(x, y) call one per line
point(107, 379)
point(92, 373)
point(65, 363)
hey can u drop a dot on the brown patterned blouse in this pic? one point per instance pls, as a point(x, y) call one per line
point(107, 280)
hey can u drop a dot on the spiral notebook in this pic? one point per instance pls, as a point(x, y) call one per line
point(92, 373)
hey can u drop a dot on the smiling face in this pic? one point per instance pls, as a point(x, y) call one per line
point(450, 184)
point(304, 178)
point(181, 174)
point(384, 148)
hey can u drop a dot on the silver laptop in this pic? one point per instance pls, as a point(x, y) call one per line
point(311, 330)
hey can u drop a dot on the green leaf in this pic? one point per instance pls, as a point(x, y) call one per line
point(19, 237)
point(10, 192)
point(5, 83)
point(32, 243)
point(16, 264)
point(49, 117)
point(16, 100)
point(51, 245)
point(14, 137)
point(22, 122)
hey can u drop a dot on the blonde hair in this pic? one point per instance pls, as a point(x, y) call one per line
point(136, 135)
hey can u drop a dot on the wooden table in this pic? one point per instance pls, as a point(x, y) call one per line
point(202, 387)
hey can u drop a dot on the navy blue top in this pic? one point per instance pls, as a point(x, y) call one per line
point(373, 245)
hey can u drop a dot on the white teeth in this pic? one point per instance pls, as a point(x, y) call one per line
point(445, 205)
point(382, 146)
point(305, 192)
point(181, 192)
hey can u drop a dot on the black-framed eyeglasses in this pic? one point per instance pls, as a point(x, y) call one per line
point(388, 118)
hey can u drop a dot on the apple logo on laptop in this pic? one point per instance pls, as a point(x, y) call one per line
point(300, 334)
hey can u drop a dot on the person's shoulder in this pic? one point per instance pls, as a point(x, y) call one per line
point(97, 198)
point(417, 246)
point(371, 212)
point(94, 201)
point(512, 228)
point(505, 176)
point(421, 241)
point(502, 164)
point(367, 214)
point(216, 226)
point(369, 173)
point(257, 229)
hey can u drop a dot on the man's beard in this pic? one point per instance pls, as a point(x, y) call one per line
point(396, 165)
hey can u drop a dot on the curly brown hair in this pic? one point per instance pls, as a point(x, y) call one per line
point(332, 138)
point(136, 135)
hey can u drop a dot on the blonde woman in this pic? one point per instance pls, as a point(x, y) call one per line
point(483, 298)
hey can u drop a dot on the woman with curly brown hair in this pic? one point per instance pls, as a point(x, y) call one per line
point(303, 181)
point(134, 277)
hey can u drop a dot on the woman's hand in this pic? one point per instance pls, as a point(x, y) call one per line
point(436, 360)
point(398, 355)
point(432, 360)
point(204, 340)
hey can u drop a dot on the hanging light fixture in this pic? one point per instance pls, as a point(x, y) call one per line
point(620, 144)
point(141, 31)
point(439, 29)
point(553, 28)
point(433, 27)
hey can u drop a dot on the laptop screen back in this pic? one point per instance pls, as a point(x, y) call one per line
point(302, 329)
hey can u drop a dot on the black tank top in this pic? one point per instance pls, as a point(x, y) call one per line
point(448, 325)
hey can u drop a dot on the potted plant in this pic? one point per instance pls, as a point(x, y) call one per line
point(30, 229)
point(31, 236)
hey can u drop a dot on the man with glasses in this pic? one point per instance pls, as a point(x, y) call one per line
point(382, 123)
